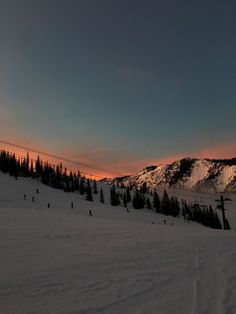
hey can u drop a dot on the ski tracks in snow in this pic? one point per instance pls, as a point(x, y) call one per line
point(210, 286)
point(195, 283)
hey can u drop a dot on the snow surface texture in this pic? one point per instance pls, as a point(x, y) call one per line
point(61, 260)
point(198, 174)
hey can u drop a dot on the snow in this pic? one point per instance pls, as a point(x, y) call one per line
point(226, 176)
point(204, 175)
point(199, 172)
point(60, 260)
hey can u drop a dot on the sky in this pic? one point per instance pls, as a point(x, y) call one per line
point(119, 85)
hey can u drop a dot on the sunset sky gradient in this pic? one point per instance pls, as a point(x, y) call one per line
point(119, 85)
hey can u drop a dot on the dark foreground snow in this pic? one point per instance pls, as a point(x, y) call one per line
point(60, 260)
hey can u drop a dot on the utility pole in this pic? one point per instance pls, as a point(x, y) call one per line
point(221, 206)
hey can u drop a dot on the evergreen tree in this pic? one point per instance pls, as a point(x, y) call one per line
point(148, 203)
point(14, 167)
point(165, 204)
point(114, 196)
point(101, 196)
point(31, 171)
point(27, 165)
point(24, 167)
point(45, 174)
point(156, 202)
point(89, 196)
point(95, 190)
point(128, 195)
point(81, 186)
point(174, 207)
point(38, 168)
point(124, 200)
point(138, 199)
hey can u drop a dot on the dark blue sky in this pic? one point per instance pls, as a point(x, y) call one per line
point(118, 82)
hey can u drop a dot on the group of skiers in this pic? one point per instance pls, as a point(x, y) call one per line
point(90, 211)
point(33, 198)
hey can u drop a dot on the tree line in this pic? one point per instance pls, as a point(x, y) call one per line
point(59, 177)
point(165, 205)
point(55, 176)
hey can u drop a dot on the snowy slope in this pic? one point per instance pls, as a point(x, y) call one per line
point(60, 260)
point(187, 173)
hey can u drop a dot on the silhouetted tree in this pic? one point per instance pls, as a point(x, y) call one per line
point(95, 190)
point(148, 203)
point(101, 196)
point(138, 199)
point(89, 196)
point(124, 200)
point(165, 204)
point(114, 196)
point(156, 202)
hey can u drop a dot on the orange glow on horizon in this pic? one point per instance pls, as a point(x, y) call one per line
point(129, 167)
point(21, 152)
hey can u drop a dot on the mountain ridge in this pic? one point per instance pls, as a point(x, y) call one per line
point(214, 175)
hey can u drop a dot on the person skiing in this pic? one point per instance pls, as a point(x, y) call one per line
point(72, 205)
point(90, 213)
point(33, 199)
point(24, 197)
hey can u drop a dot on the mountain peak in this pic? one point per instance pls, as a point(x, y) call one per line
point(188, 173)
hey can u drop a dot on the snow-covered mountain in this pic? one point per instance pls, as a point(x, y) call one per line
point(187, 173)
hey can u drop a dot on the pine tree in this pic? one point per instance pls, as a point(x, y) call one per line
point(89, 196)
point(128, 195)
point(114, 196)
point(14, 168)
point(27, 165)
point(148, 203)
point(124, 200)
point(156, 202)
point(101, 196)
point(81, 186)
point(38, 168)
point(95, 190)
point(138, 200)
point(174, 207)
point(31, 172)
point(165, 204)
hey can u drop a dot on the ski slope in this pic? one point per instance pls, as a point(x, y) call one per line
point(61, 260)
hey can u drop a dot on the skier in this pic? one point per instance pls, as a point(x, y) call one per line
point(127, 209)
point(37, 191)
point(48, 205)
point(90, 213)
point(33, 199)
point(24, 197)
point(72, 205)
